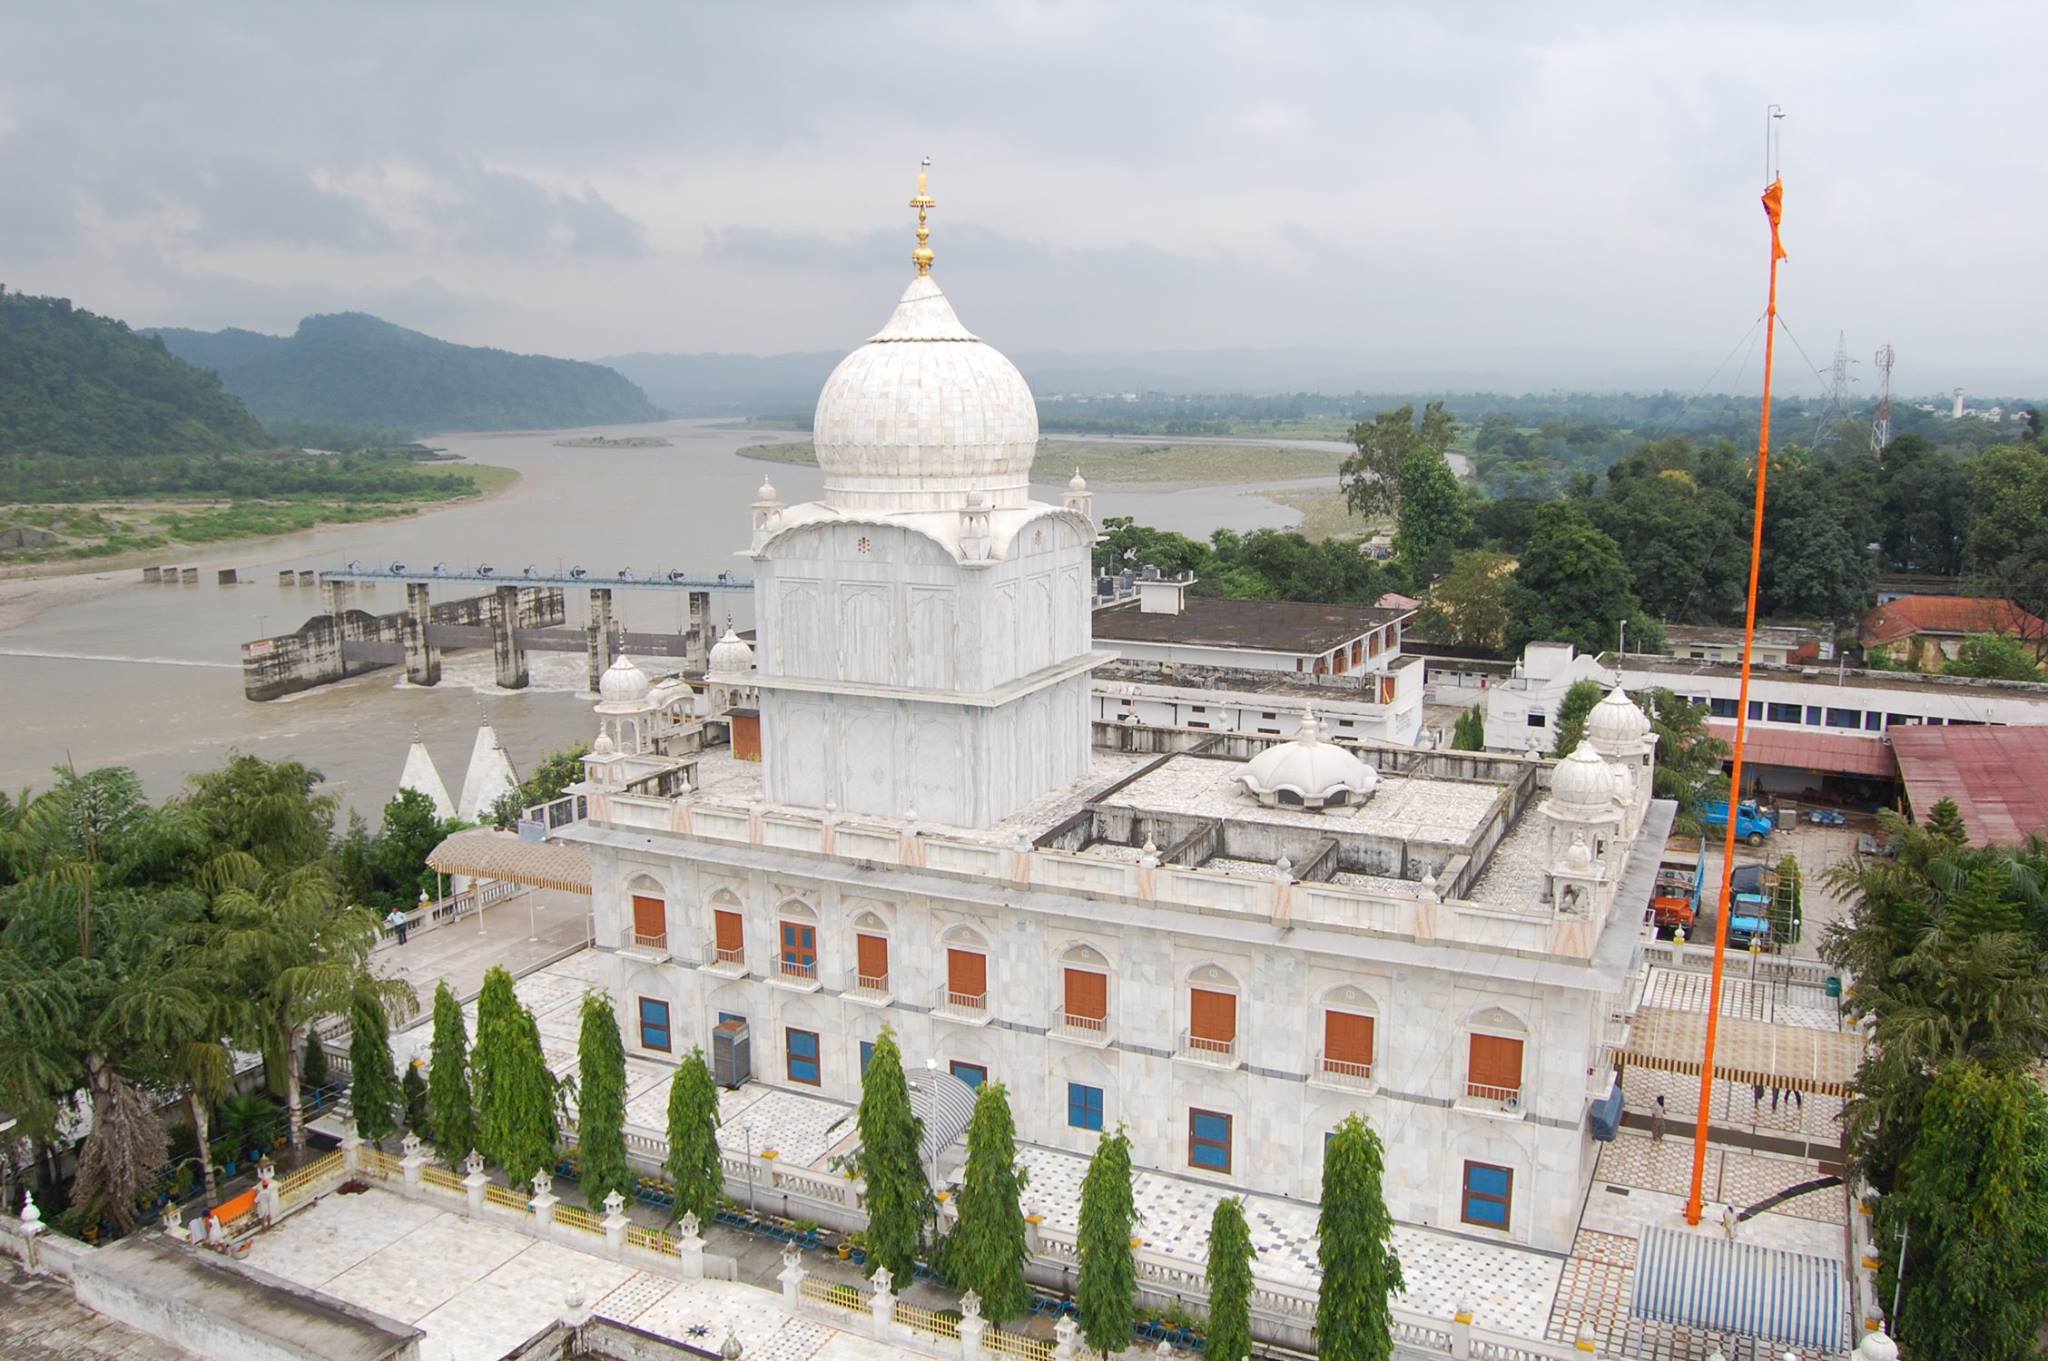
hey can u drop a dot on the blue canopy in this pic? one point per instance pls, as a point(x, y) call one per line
point(1701, 1280)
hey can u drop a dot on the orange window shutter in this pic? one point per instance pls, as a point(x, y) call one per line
point(966, 972)
point(1087, 994)
point(1496, 1062)
point(1212, 1015)
point(873, 955)
point(650, 916)
point(730, 933)
point(1347, 1038)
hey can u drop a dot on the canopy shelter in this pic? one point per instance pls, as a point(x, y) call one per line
point(483, 854)
point(1756, 1052)
point(1698, 1279)
point(943, 1104)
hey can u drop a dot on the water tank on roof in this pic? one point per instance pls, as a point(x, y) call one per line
point(732, 1063)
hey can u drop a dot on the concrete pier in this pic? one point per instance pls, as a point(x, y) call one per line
point(422, 658)
point(601, 644)
point(505, 646)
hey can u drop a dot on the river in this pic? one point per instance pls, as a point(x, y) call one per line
point(150, 676)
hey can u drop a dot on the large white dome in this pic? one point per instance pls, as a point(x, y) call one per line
point(1582, 784)
point(623, 682)
point(924, 414)
point(1617, 725)
point(1308, 771)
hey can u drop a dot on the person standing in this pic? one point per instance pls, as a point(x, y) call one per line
point(1657, 1122)
point(397, 922)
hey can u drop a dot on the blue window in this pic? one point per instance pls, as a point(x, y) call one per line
point(801, 1046)
point(654, 1024)
point(1489, 1192)
point(1719, 707)
point(1084, 1106)
point(973, 1074)
point(800, 949)
point(1209, 1141)
point(867, 1051)
point(1845, 718)
point(725, 1016)
point(1813, 715)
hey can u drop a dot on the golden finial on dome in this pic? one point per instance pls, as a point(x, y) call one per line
point(924, 203)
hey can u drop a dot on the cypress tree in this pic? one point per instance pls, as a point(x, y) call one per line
point(415, 1089)
point(693, 1166)
point(516, 1112)
point(1945, 820)
point(374, 1096)
point(495, 1005)
point(898, 1194)
point(1109, 1278)
point(1230, 1282)
point(450, 1116)
point(1355, 1248)
point(987, 1250)
point(601, 1101)
point(313, 1062)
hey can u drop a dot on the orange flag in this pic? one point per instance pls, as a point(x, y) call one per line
point(1774, 209)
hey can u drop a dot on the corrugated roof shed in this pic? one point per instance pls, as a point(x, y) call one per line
point(1948, 614)
point(1834, 753)
point(1998, 777)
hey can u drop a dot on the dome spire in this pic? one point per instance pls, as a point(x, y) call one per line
point(923, 202)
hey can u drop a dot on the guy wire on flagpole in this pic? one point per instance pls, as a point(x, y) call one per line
point(1773, 200)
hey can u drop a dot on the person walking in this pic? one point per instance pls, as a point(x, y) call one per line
point(1657, 1122)
point(396, 921)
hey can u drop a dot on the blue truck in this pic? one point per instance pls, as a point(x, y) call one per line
point(1752, 824)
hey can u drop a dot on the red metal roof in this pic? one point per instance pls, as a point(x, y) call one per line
point(1994, 774)
point(1951, 614)
point(1830, 752)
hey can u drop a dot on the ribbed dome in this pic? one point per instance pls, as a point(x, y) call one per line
point(623, 683)
point(731, 654)
point(1582, 783)
point(923, 414)
point(1617, 725)
point(1309, 771)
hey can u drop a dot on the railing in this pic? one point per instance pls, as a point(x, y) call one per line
point(804, 971)
point(1011, 1344)
point(505, 1196)
point(926, 1321)
point(443, 1178)
point(1484, 1094)
point(653, 1240)
point(1207, 1048)
point(297, 1185)
point(1343, 1072)
point(378, 1163)
point(576, 1217)
point(651, 940)
point(877, 983)
point(735, 957)
point(835, 1295)
point(971, 1005)
point(1075, 1025)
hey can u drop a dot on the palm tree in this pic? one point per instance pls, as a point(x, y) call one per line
point(301, 954)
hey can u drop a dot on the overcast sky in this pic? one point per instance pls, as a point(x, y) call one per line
point(1548, 194)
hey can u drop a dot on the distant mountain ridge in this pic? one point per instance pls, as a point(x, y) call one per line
point(352, 369)
point(76, 384)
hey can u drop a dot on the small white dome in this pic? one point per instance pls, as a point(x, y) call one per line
point(731, 654)
point(766, 491)
point(1617, 725)
point(1578, 855)
point(1582, 783)
point(1077, 482)
point(923, 414)
point(1308, 771)
point(669, 691)
point(603, 746)
point(623, 683)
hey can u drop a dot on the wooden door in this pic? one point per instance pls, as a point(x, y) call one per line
point(967, 974)
point(1087, 994)
point(1347, 1038)
point(873, 957)
point(650, 920)
point(1212, 1015)
point(1496, 1065)
point(730, 934)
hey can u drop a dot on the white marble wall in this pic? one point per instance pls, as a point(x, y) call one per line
point(1422, 1021)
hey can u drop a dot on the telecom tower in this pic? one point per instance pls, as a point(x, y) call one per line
point(1836, 412)
point(1881, 428)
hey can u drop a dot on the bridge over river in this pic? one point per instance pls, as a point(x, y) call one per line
point(516, 614)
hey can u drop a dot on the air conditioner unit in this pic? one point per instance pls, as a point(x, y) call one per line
point(731, 1054)
point(1513, 1103)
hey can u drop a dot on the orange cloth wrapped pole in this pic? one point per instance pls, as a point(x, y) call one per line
point(1774, 207)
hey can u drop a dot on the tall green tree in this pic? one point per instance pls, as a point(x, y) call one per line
point(1469, 606)
point(516, 1095)
point(1108, 1285)
point(450, 1113)
point(1355, 1248)
point(1230, 1282)
point(374, 1096)
point(987, 1249)
point(601, 1102)
point(1995, 656)
point(1470, 732)
point(268, 810)
point(1434, 519)
point(1689, 758)
point(1572, 586)
point(413, 1086)
point(899, 1197)
point(1973, 1199)
point(2005, 547)
point(1371, 477)
point(693, 1166)
point(1572, 710)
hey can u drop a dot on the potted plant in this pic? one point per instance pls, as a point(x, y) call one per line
point(857, 1244)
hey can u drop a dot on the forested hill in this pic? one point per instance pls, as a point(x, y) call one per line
point(356, 370)
point(76, 384)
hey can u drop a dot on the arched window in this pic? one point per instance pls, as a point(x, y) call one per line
point(650, 913)
point(1493, 1068)
point(871, 954)
point(1083, 1012)
point(1211, 1033)
point(796, 937)
point(1349, 1024)
point(728, 929)
point(965, 992)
